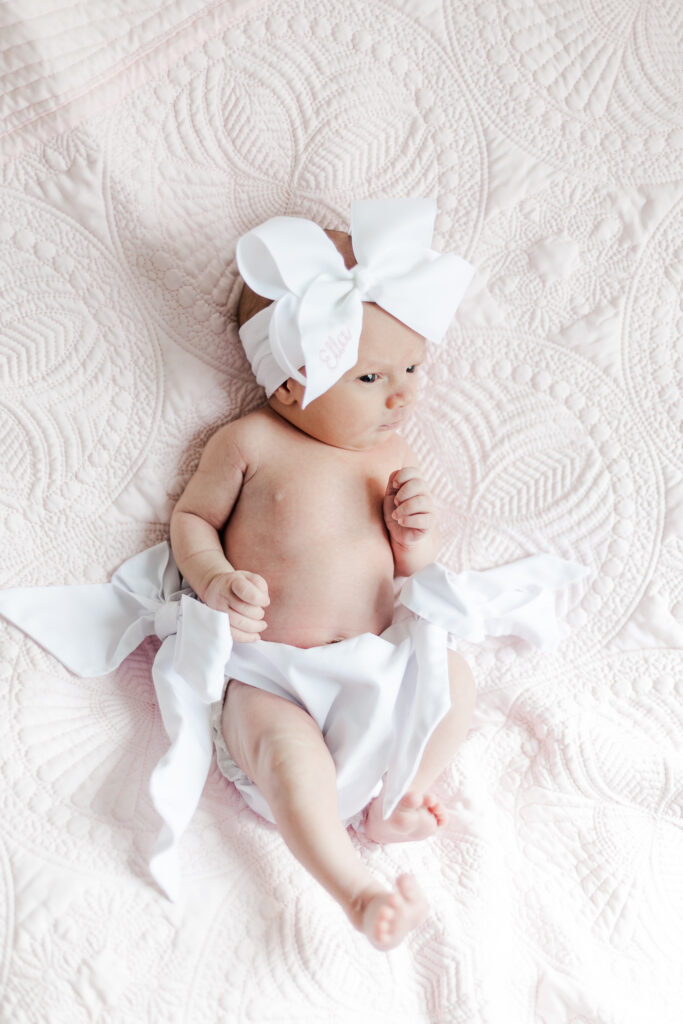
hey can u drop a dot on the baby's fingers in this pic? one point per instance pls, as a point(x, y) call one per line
point(417, 505)
point(411, 489)
point(420, 522)
point(244, 629)
point(249, 611)
point(251, 588)
point(241, 637)
point(402, 476)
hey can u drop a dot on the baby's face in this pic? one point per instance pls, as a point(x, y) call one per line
point(370, 402)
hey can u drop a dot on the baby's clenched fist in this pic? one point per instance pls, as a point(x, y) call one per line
point(408, 506)
point(244, 597)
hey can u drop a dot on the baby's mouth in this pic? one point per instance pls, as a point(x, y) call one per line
point(395, 423)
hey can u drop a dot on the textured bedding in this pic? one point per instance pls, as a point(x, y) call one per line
point(137, 143)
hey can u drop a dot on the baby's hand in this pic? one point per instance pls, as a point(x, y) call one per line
point(408, 507)
point(244, 596)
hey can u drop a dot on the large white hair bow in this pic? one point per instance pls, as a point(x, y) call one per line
point(316, 319)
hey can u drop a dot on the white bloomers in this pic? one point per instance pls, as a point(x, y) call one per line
point(375, 699)
point(378, 699)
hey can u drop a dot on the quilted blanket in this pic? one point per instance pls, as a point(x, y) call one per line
point(137, 142)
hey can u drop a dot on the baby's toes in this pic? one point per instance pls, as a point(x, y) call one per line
point(385, 924)
point(435, 807)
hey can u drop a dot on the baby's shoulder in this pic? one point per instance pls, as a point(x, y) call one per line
point(243, 439)
point(246, 428)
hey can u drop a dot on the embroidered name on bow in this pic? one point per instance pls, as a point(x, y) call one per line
point(334, 347)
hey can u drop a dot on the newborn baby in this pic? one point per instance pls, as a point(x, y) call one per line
point(296, 522)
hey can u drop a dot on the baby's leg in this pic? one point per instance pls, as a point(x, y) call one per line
point(419, 814)
point(281, 749)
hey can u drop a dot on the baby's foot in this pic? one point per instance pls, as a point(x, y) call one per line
point(387, 917)
point(417, 816)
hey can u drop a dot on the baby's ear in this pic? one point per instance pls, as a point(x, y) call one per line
point(290, 393)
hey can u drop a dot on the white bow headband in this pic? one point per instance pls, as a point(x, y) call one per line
point(317, 316)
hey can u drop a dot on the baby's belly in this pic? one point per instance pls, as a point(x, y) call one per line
point(323, 593)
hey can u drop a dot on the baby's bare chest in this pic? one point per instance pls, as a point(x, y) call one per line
point(312, 526)
point(319, 496)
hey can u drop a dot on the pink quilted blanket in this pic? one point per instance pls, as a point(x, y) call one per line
point(137, 143)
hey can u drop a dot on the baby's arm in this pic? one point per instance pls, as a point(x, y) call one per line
point(201, 512)
point(410, 518)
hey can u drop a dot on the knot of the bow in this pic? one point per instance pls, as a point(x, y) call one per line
point(166, 619)
point(363, 279)
point(150, 598)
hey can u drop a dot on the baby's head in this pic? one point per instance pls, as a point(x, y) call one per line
point(334, 325)
point(371, 400)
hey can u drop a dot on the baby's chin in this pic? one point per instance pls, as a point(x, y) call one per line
point(375, 437)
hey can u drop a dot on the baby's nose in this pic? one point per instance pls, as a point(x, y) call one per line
point(402, 396)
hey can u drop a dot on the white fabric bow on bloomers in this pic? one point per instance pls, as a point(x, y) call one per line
point(92, 628)
point(317, 316)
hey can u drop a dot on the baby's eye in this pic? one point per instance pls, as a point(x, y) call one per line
point(411, 369)
point(369, 378)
